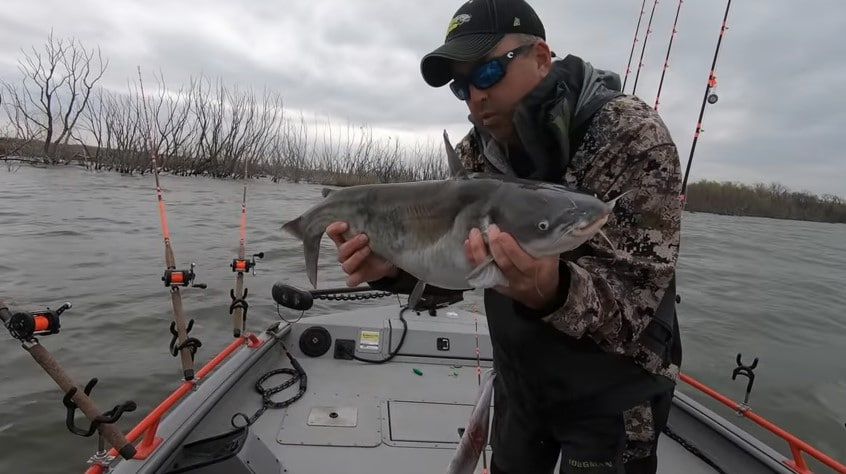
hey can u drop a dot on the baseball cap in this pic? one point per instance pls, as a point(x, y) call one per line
point(474, 30)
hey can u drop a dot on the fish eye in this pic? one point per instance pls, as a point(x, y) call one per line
point(543, 225)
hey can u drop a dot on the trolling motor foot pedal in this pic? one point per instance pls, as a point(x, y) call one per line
point(290, 297)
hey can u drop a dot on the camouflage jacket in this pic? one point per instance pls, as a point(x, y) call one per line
point(614, 292)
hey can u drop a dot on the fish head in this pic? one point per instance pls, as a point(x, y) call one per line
point(550, 220)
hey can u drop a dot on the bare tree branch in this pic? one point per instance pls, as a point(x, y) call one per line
point(54, 91)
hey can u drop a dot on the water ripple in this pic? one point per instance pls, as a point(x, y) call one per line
point(767, 288)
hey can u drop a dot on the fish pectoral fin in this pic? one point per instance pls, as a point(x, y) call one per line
point(416, 294)
point(486, 275)
point(612, 203)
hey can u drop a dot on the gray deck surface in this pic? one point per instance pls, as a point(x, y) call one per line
point(391, 420)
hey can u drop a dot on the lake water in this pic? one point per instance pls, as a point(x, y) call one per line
point(766, 288)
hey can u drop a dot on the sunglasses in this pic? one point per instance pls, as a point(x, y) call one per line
point(485, 75)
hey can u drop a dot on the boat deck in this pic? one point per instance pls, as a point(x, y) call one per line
point(357, 417)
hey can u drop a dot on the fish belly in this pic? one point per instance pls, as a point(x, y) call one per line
point(442, 264)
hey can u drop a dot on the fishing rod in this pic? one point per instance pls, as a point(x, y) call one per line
point(667, 58)
point(172, 277)
point(239, 306)
point(479, 377)
point(643, 47)
point(25, 327)
point(634, 41)
point(709, 98)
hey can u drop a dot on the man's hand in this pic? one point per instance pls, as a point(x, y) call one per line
point(356, 258)
point(531, 281)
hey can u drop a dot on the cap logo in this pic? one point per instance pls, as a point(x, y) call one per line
point(516, 21)
point(457, 21)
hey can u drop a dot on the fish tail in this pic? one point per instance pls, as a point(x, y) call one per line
point(294, 227)
point(310, 236)
point(311, 248)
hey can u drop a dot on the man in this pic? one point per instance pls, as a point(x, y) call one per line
point(586, 346)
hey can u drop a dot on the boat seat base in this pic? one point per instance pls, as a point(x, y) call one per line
point(236, 452)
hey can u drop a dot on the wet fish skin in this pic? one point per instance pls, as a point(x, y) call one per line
point(421, 226)
point(475, 436)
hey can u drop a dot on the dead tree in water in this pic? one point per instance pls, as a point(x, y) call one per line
point(55, 89)
point(16, 137)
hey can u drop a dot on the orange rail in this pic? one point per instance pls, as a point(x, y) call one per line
point(797, 446)
point(148, 426)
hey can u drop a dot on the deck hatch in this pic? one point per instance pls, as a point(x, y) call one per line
point(326, 424)
point(333, 416)
point(426, 422)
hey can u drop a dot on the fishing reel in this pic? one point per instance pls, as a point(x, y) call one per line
point(173, 277)
point(25, 326)
point(712, 88)
point(243, 265)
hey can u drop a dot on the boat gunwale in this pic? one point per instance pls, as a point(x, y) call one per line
point(146, 429)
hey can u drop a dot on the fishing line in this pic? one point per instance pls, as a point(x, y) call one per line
point(634, 41)
point(172, 278)
point(479, 381)
point(709, 98)
point(667, 58)
point(643, 48)
point(239, 306)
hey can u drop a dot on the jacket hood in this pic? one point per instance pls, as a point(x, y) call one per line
point(546, 117)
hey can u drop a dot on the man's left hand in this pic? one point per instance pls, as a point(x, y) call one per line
point(531, 281)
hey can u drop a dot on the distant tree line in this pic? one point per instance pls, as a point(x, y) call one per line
point(57, 113)
point(763, 200)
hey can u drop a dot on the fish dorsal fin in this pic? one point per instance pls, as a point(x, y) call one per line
point(327, 191)
point(456, 169)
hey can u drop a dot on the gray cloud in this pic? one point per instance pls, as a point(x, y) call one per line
point(779, 72)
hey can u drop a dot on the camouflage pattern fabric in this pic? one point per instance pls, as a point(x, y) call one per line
point(614, 292)
point(640, 432)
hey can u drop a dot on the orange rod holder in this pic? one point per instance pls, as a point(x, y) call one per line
point(74, 397)
point(240, 265)
point(797, 446)
point(173, 278)
point(146, 428)
point(238, 308)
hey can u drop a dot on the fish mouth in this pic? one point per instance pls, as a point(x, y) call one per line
point(578, 233)
point(591, 227)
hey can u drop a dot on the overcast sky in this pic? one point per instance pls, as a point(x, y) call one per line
point(780, 72)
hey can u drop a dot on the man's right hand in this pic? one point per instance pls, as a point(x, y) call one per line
point(356, 258)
